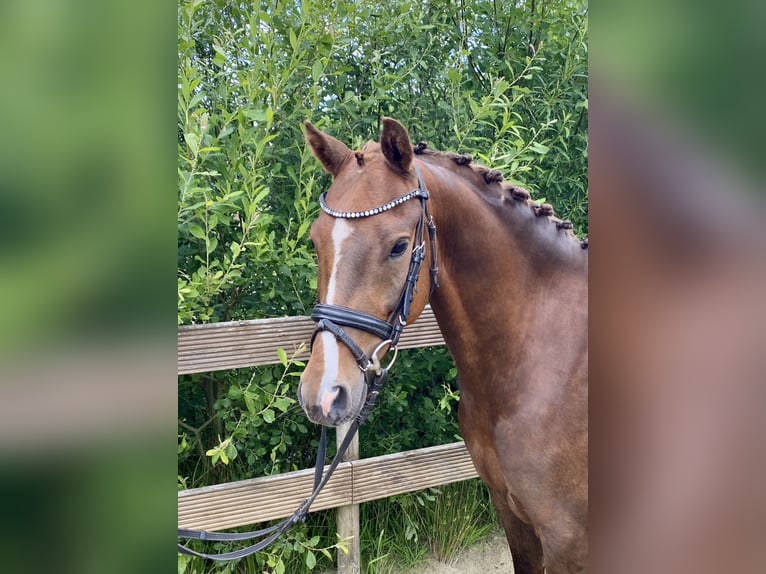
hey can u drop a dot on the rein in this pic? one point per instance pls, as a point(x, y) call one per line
point(330, 318)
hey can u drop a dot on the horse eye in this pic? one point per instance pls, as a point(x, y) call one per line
point(399, 248)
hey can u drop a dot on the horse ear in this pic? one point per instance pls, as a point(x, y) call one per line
point(396, 146)
point(331, 152)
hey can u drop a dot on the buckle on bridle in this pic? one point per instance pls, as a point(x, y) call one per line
point(374, 362)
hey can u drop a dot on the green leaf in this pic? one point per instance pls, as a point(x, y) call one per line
point(311, 560)
point(197, 231)
point(316, 70)
point(250, 403)
point(231, 451)
point(268, 416)
point(260, 195)
point(283, 403)
point(257, 115)
point(192, 140)
point(282, 356)
point(183, 560)
point(304, 226)
point(214, 454)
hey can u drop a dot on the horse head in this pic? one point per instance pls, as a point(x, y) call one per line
point(366, 238)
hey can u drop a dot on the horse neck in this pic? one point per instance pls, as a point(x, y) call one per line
point(498, 264)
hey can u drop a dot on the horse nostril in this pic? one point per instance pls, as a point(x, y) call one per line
point(336, 398)
point(341, 401)
point(300, 393)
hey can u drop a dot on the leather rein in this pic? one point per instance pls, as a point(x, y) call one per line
point(333, 318)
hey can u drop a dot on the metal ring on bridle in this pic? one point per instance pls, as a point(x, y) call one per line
point(375, 360)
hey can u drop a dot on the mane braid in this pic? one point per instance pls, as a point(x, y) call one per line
point(491, 176)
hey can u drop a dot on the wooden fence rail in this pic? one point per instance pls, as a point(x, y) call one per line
point(269, 497)
point(219, 346)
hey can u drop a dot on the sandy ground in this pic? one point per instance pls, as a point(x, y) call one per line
point(486, 557)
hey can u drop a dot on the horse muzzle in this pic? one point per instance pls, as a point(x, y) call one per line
point(330, 403)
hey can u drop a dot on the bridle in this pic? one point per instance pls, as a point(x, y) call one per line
point(333, 318)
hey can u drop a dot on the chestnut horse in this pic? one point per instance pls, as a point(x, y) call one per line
point(510, 297)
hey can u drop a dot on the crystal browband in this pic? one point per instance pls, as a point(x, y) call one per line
point(375, 211)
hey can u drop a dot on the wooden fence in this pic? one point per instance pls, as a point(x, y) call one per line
point(219, 346)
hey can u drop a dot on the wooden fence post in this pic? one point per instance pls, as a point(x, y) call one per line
point(348, 516)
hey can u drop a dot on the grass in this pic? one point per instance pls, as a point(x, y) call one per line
point(398, 532)
point(460, 517)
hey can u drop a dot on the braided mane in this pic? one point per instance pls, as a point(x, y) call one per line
point(493, 176)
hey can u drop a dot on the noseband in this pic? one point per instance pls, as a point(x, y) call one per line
point(332, 318)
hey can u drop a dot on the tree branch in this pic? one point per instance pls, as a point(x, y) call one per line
point(197, 432)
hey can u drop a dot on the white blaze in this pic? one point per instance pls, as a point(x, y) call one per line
point(341, 231)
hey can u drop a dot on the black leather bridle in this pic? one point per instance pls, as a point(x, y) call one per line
point(330, 318)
